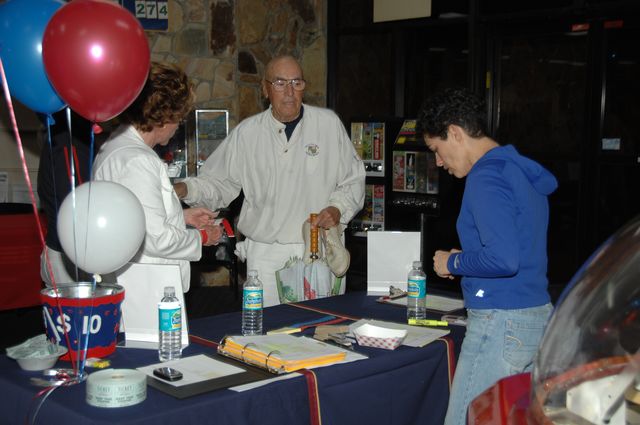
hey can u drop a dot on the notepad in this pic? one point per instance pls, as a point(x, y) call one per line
point(280, 353)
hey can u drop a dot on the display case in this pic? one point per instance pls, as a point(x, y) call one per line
point(402, 187)
point(211, 128)
point(369, 140)
point(414, 173)
point(369, 137)
point(402, 177)
point(197, 137)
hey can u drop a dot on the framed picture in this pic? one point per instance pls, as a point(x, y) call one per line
point(212, 126)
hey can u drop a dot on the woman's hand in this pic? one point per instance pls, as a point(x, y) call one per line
point(199, 217)
point(440, 260)
point(214, 233)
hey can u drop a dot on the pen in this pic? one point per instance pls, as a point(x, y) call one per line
point(426, 322)
point(335, 343)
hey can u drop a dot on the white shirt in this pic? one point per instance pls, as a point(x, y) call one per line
point(283, 181)
point(127, 160)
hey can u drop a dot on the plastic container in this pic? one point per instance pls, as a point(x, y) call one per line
point(252, 305)
point(42, 362)
point(417, 293)
point(170, 326)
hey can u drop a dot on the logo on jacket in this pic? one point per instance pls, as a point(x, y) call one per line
point(312, 149)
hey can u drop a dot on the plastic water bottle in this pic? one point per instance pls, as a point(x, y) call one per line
point(252, 305)
point(417, 292)
point(170, 319)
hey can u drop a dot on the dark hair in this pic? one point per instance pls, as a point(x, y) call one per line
point(167, 97)
point(456, 106)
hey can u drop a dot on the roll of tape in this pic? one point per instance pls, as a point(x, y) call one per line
point(116, 388)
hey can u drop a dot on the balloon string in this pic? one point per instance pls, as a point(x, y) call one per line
point(14, 124)
point(72, 184)
point(86, 339)
point(91, 152)
point(45, 393)
point(53, 178)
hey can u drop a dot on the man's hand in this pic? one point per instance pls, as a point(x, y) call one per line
point(181, 190)
point(440, 260)
point(326, 218)
point(199, 217)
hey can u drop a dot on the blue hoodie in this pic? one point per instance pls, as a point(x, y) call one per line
point(502, 228)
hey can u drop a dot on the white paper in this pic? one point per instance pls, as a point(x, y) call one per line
point(143, 289)
point(4, 186)
point(351, 356)
point(289, 348)
point(416, 336)
point(20, 193)
point(434, 302)
point(194, 369)
point(390, 256)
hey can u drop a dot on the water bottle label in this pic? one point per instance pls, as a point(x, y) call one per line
point(170, 319)
point(252, 299)
point(417, 288)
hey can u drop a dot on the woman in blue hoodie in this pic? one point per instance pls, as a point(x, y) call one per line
point(502, 228)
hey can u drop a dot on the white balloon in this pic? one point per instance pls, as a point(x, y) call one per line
point(101, 227)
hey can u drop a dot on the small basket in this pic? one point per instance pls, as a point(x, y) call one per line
point(378, 337)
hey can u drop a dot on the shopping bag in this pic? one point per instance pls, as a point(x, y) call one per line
point(297, 281)
point(313, 275)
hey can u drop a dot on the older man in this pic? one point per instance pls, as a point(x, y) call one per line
point(290, 160)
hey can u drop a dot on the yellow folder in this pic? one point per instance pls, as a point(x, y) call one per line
point(280, 353)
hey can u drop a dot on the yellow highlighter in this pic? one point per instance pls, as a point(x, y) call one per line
point(285, 330)
point(427, 322)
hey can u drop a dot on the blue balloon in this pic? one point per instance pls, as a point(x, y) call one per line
point(22, 26)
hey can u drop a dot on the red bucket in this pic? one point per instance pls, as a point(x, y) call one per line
point(91, 317)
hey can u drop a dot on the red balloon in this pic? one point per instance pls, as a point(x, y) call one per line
point(96, 56)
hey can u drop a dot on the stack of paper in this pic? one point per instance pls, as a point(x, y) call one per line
point(280, 353)
point(434, 302)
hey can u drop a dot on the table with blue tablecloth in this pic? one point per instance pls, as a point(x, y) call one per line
point(404, 386)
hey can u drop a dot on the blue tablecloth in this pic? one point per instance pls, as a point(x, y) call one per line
point(404, 386)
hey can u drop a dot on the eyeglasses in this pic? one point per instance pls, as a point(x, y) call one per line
point(298, 84)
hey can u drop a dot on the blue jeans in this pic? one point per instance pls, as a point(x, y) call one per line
point(497, 343)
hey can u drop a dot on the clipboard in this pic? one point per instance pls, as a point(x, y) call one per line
point(249, 374)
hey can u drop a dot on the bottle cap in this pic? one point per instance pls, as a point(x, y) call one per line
point(169, 291)
point(252, 273)
point(417, 264)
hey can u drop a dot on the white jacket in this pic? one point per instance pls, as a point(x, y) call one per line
point(127, 160)
point(283, 181)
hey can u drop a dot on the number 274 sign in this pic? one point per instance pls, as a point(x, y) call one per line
point(152, 14)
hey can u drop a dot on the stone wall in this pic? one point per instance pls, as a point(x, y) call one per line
point(224, 46)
